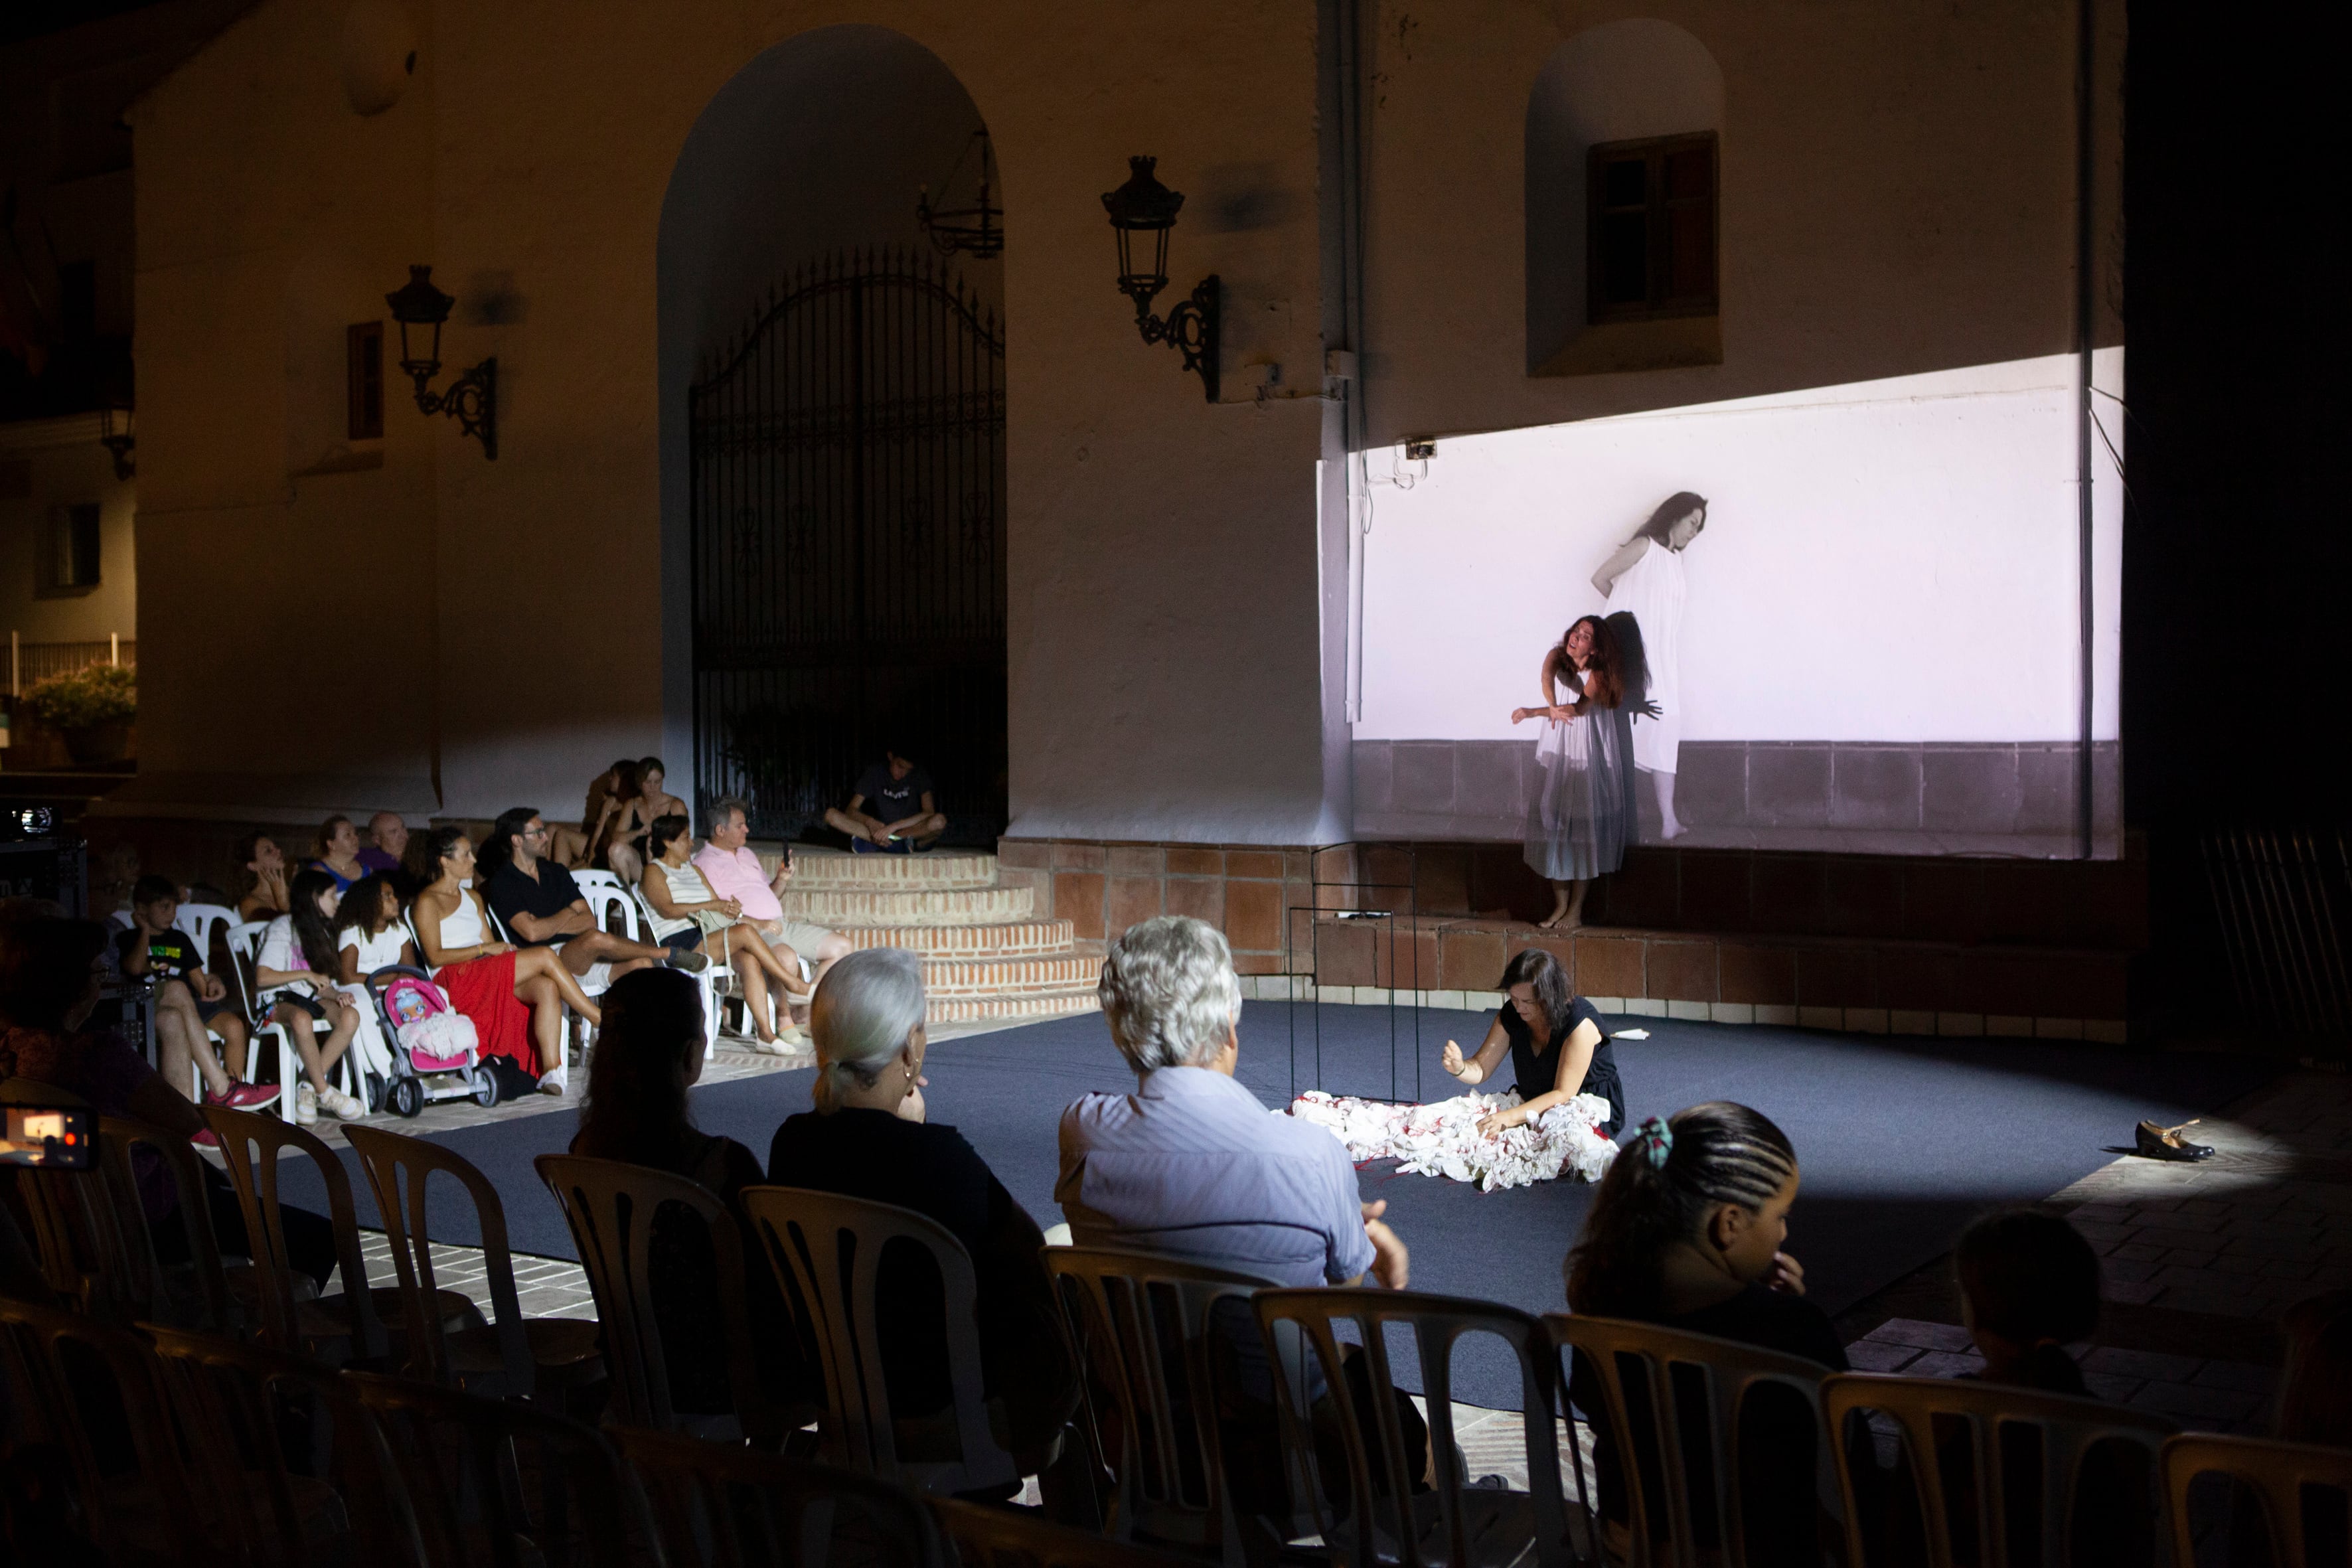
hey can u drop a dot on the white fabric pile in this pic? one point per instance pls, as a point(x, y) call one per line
point(1444, 1140)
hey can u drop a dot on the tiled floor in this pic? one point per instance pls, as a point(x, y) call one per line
point(2199, 1260)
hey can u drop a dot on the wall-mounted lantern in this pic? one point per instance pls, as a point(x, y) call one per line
point(473, 397)
point(979, 227)
point(1143, 207)
point(116, 435)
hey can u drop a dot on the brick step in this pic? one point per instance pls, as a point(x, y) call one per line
point(976, 1009)
point(1002, 938)
point(846, 907)
point(830, 870)
point(1009, 976)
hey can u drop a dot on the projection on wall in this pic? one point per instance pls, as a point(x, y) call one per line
point(1849, 616)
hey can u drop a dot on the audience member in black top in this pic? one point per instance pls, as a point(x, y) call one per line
point(540, 905)
point(648, 1053)
point(1685, 1232)
point(892, 810)
point(1558, 1046)
point(49, 971)
point(868, 1138)
point(190, 1002)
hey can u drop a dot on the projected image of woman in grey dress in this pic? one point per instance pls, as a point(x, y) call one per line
point(1578, 821)
point(1643, 581)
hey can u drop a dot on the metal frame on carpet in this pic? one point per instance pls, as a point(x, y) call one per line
point(1388, 919)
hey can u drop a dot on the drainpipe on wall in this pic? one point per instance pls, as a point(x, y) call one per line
point(2085, 302)
point(1356, 422)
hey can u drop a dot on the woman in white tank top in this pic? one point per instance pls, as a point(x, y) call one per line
point(516, 998)
point(688, 915)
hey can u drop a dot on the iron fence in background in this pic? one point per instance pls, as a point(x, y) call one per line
point(2275, 896)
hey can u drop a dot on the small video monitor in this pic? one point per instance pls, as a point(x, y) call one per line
point(53, 1137)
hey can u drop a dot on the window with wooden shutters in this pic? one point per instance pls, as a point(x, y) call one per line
point(363, 344)
point(1650, 229)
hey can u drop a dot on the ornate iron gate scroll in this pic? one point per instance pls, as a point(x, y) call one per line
point(848, 533)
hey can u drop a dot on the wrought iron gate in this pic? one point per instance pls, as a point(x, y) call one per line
point(848, 530)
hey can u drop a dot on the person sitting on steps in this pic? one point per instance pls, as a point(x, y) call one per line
point(892, 811)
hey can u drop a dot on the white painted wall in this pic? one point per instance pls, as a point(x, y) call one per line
point(1887, 561)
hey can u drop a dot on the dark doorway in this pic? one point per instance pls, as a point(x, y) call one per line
point(847, 520)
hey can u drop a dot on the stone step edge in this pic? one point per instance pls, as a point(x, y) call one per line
point(892, 873)
point(981, 939)
point(902, 906)
point(1049, 1004)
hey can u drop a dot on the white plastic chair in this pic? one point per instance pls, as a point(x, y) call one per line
point(719, 971)
point(245, 950)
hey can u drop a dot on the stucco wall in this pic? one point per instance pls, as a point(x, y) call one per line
point(44, 465)
point(1897, 188)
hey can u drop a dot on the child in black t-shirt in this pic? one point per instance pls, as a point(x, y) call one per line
point(1685, 1232)
point(891, 812)
point(191, 1005)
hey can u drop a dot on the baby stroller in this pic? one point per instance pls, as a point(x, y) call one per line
point(435, 1055)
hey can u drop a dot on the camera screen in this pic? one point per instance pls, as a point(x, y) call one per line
point(55, 1137)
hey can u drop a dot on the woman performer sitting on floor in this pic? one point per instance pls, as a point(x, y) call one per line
point(1557, 1045)
point(491, 982)
point(687, 916)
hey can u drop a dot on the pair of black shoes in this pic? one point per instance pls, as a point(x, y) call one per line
point(2156, 1143)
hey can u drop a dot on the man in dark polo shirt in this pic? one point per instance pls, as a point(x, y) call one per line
point(891, 812)
point(540, 906)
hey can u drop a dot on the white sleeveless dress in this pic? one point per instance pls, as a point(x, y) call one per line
point(1650, 591)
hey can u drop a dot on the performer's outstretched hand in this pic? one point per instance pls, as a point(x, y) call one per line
point(1452, 1060)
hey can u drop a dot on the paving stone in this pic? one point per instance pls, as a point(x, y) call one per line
point(1921, 1335)
point(1876, 1356)
point(2189, 1404)
point(1945, 1363)
point(2145, 1365)
point(2114, 1390)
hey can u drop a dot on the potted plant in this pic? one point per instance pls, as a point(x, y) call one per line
point(93, 709)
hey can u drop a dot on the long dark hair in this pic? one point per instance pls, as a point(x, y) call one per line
point(362, 906)
point(627, 781)
point(312, 934)
point(1661, 1191)
point(1670, 511)
point(1602, 678)
point(437, 846)
point(1534, 966)
point(636, 1106)
point(248, 849)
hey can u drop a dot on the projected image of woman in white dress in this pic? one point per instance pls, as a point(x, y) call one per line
point(1643, 583)
point(1578, 821)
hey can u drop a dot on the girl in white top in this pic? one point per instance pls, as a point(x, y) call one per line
point(686, 913)
point(368, 933)
point(291, 971)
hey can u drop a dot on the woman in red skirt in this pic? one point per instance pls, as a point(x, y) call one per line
point(512, 996)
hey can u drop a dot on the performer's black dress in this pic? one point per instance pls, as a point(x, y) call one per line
point(1539, 1070)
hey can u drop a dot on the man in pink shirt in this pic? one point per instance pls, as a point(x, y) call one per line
point(728, 864)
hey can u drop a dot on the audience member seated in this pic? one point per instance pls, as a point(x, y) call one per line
point(189, 1000)
point(572, 842)
point(623, 790)
point(295, 971)
point(516, 998)
point(627, 852)
point(870, 1137)
point(2315, 1401)
point(1685, 1232)
point(1192, 1166)
point(891, 811)
point(2029, 1288)
point(695, 925)
point(264, 894)
point(49, 973)
point(368, 933)
point(338, 853)
point(540, 906)
point(729, 864)
point(386, 849)
point(636, 1111)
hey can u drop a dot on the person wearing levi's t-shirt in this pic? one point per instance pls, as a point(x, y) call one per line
point(891, 812)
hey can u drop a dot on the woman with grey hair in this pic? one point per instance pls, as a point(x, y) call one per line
point(870, 1137)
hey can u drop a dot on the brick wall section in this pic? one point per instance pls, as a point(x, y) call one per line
point(1917, 945)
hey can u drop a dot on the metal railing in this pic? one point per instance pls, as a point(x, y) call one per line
point(30, 663)
point(2274, 897)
